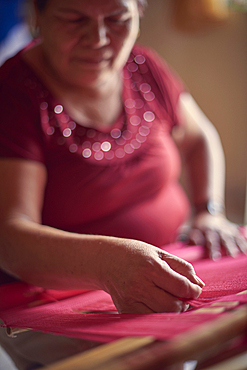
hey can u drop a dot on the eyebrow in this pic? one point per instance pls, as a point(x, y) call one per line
point(68, 10)
point(119, 11)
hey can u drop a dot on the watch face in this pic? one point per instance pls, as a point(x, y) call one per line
point(212, 207)
point(215, 207)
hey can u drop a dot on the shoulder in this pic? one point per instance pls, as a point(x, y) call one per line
point(148, 52)
point(15, 71)
point(10, 69)
point(160, 70)
point(20, 129)
point(164, 81)
point(152, 58)
point(16, 84)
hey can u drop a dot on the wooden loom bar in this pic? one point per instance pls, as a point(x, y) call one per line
point(148, 354)
point(93, 358)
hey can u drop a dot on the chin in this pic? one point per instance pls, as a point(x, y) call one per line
point(92, 77)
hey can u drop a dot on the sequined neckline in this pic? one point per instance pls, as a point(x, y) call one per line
point(127, 135)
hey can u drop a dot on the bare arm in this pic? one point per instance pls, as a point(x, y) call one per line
point(29, 250)
point(140, 278)
point(203, 156)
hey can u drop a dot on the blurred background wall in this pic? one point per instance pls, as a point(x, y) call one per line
point(14, 31)
point(212, 62)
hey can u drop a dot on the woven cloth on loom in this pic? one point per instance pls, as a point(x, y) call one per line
point(92, 315)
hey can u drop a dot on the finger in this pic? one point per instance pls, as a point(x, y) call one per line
point(182, 267)
point(149, 299)
point(157, 300)
point(242, 244)
point(134, 308)
point(243, 231)
point(196, 237)
point(228, 245)
point(162, 301)
point(131, 304)
point(176, 284)
point(212, 244)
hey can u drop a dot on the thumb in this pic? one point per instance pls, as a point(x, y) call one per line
point(182, 267)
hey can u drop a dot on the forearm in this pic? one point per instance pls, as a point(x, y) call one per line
point(203, 155)
point(52, 258)
point(204, 161)
point(139, 277)
point(205, 167)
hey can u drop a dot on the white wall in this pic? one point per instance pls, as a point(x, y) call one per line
point(213, 64)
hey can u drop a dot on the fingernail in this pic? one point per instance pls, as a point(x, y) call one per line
point(199, 281)
point(216, 256)
point(185, 307)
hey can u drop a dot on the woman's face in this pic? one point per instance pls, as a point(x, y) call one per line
point(86, 41)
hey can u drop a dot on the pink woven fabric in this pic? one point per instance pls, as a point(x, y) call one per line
point(92, 315)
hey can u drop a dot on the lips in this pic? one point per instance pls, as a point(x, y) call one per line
point(94, 59)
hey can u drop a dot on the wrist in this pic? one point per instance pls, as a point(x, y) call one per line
point(210, 206)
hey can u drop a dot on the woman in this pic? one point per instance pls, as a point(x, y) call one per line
point(77, 73)
point(90, 167)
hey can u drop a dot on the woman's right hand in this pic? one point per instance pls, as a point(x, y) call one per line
point(144, 279)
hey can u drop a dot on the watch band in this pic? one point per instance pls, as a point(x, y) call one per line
point(211, 206)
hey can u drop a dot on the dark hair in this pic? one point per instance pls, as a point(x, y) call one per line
point(41, 4)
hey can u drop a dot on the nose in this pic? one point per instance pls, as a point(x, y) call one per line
point(98, 35)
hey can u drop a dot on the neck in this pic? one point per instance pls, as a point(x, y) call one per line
point(99, 89)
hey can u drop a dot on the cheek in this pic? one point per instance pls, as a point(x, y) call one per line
point(59, 38)
point(124, 46)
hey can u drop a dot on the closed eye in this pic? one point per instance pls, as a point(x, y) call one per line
point(115, 20)
point(75, 19)
point(118, 19)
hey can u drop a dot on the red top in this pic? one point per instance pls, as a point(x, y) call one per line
point(122, 183)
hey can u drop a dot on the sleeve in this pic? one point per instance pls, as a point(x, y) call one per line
point(20, 131)
point(169, 85)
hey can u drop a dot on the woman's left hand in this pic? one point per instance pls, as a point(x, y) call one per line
point(218, 235)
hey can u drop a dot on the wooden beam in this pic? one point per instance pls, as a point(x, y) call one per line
point(96, 357)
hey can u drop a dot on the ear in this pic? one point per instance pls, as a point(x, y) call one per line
point(33, 18)
point(141, 10)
